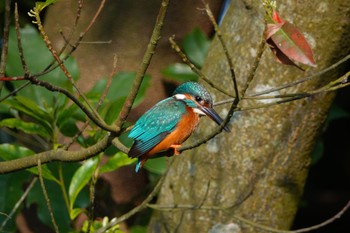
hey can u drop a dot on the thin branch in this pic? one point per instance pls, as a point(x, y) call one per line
point(200, 74)
point(339, 83)
point(156, 34)
point(227, 54)
point(291, 84)
point(92, 116)
point(138, 208)
point(261, 49)
point(63, 187)
point(70, 35)
point(306, 229)
point(48, 203)
point(109, 82)
point(54, 155)
point(235, 101)
point(246, 221)
point(81, 36)
point(117, 143)
point(48, 43)
point(50, 67)
point(19, 43)
point(92, 199)
point(18, 203)
point(5, 45)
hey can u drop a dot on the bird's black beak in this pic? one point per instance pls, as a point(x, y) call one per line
point(210, 112)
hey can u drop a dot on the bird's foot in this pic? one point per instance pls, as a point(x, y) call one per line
point(176, 152)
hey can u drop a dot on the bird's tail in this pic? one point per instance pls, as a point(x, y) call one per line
point(139, 164)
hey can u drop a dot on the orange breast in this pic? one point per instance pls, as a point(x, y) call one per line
point(183, 130)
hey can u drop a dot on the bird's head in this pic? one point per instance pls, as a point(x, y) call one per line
point(199, 99)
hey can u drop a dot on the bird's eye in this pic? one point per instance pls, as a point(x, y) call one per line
point(198, 98)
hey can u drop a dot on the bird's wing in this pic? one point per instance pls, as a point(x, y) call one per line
point(155, 125)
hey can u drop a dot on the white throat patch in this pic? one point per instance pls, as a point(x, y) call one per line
point(200, 112)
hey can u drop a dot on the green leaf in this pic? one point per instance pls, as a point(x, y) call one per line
point(45, 172)
point(11, 186)
point(317, 152)
point(37, 57)
point(112, 110)
point(71, 112)
point(138, 229)
point(41, 5)
point(116, 161)
point(75, 212)
point(116, 96)
point(336, 112)
point(80, 178)
point(180, 72)
point(157, 165)
point(11, 152)
point(69, 128)
point(59, 209)
point(196, 46)
point(31, 109)
point(120, 87)
point(289, 44)
point(27, 127)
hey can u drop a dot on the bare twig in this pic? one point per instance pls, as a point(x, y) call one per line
point(92, 116)
point(227, 54)
point(200, 74)
point(82, 129)
point(60, 62)
point(261, 49)
point(48, 203)
point(5, 45)
point(138, 208)
point(18, 203)
point(246, 221)
point(19, 43)
point(291, 84)
point(235, 101)
point(144, 65)
point(92, 198)
point(306, 229)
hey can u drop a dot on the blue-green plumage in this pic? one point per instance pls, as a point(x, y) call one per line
point(151, 131)
point(155, 125)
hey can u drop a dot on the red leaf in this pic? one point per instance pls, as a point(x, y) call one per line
point(281, 57)
point(287, 43)
point(276, 17)
point(293, 44)
point(272, 29)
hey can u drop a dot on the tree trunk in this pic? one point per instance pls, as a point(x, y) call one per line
point(259, 170)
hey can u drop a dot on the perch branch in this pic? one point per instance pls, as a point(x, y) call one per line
point(54, 155)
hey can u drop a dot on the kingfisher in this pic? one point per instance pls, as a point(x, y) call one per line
point(170, 122)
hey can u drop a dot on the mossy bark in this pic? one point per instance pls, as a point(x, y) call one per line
point(262, 165)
